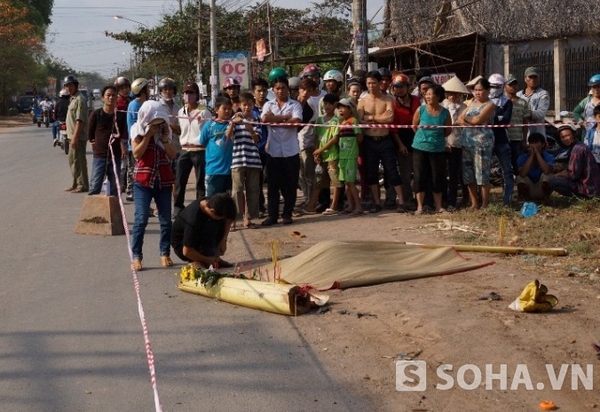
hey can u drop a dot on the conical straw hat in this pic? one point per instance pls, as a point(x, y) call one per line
point(455, 85)
point(472, 82)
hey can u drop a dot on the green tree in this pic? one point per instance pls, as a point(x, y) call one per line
point(21, 46)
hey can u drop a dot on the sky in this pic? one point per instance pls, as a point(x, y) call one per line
point(76, 34)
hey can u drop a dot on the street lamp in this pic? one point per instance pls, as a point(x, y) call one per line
point(117, 17)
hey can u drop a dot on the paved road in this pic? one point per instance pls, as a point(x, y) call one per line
point(70, 336)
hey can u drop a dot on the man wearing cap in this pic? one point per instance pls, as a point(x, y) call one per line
point(191, 120)
point(424, 83)
point(77, 120)
point(537, 99)
point(60, 112)
point(517, 136)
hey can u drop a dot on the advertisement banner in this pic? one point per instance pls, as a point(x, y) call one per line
point(234, 64)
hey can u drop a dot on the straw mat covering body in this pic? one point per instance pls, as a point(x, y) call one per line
point(335, 264)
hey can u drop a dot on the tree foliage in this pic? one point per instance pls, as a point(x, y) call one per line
point(21, 45)
point(170, 47)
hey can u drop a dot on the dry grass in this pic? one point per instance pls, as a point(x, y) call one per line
point(13, 121)
point(568, 223)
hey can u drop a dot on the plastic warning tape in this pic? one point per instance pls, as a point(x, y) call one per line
point(136, 285)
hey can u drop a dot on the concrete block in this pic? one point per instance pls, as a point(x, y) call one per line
point(100, 215)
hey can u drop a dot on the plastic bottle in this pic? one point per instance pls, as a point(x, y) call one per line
point(106, 187)
point(528, 209)
point(318, 169)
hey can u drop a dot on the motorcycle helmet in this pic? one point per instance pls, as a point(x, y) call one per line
point(122, 81)
point(310, 70)
point(496, 80)
point(276, 73)
point(400, 79)
point(334, 75)
point(294, 83)
point(230, 82)
point(385, 72)
point(167, 82)
point(594, 80)
point(70, 79)
point(138, 85)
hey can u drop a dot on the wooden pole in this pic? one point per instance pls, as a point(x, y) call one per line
point(511, 250)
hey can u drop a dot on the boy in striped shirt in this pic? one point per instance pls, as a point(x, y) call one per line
point(246, 164)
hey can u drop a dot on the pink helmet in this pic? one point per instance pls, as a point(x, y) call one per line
point(230, 82)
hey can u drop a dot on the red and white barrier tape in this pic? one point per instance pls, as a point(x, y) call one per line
point(399, 126)
point(136, 284)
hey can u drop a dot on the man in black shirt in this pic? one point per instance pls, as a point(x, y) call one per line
point(200, 230)
point(102, 133)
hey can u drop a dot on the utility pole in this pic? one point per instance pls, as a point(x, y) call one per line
point(271, 48)
point(214, 68)
point(199, 58)
point(360, 40)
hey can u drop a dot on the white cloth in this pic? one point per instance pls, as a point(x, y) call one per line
point(150, 110)
point(282, 141)
point(191, 123)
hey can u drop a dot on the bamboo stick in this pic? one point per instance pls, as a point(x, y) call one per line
point(499, 249)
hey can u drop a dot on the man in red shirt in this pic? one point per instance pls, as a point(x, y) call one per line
point(405, 106)
point(123, 86)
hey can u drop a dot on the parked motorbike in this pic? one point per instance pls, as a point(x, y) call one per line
point(63, 139)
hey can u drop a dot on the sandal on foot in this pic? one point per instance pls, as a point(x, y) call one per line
point(329, 212)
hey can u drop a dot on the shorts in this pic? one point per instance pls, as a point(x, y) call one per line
point(476, 163)
point(217, 184)
point(324, 180)
point(347, 170)
point(535, 189)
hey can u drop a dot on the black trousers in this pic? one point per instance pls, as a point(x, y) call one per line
point(282, 177)
point(186, 161)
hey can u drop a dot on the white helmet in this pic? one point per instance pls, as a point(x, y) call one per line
point(334, 75)
point(496, 80)
point(138, 85)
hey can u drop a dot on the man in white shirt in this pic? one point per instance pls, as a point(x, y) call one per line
point(283, 161)
point(191, 119)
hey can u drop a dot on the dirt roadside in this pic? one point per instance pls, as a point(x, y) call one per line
point(15, 121)
point(442, 321)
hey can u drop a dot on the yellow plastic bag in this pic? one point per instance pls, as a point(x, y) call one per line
point(534, 298)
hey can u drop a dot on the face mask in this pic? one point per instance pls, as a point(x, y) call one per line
point(495, 92)
point(189, 97)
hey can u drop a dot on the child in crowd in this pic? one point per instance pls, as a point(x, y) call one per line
point(326, 156)
point(349, 139)
point(246, 164)
point(219, 148)
point(355, 90)
point(306, 139)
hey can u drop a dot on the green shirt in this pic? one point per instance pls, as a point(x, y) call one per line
point(519, 112)
point(348, 143)
point(78, 111)
point(324, 135)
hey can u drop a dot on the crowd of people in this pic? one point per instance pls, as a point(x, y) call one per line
point(331, 137)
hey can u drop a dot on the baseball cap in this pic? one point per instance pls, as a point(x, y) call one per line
point(190, 87)
point(347, 102)
point(510, 79)
point(531, 71)
point(426, 79)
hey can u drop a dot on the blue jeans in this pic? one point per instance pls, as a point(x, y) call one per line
point(55, 129)
point(503, 152)
point(100, 169)
point(562, 185)
point(142, 196)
